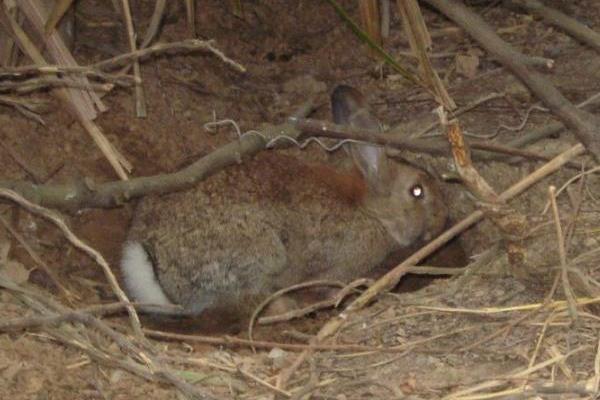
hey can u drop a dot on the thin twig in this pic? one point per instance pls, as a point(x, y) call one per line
point(562, 256)
point(466, 108)
point(576, 206)
point(283, 291)
point(538, 345)
point(596, 379)
point(32, 322)
point(556, 305)
point(75, 241)
point(89, 72)
point(140, 101)
point(190, 13)
point(190, 45)
point(50, 82)
point(331, 302)
point(155, 20)
point(232, 341)
point(67, 294)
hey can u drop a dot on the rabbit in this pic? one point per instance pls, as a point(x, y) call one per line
point(224, 246)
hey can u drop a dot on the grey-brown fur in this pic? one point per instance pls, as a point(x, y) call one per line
point(275, 221)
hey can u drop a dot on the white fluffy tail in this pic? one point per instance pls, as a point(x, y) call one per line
point(140, 281)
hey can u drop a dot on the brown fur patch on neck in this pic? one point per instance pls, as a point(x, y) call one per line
point(350, 186)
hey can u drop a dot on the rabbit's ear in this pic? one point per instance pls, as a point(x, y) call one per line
point(350, 108)
point(373, 165)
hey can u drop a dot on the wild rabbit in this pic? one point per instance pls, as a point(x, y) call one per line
point(274, 221)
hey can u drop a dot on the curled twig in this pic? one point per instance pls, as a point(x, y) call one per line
point(272, 142)
point(280, 293)
point(331, 302)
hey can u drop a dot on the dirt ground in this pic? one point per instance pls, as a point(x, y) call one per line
point(481, 333)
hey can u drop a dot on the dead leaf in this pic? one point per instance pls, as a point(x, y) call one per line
point(467, 65)
point(15, 271)
point(409, 385)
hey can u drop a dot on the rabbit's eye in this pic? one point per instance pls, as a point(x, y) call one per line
point(417, 191)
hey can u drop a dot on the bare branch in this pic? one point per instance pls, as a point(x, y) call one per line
point(583, 124)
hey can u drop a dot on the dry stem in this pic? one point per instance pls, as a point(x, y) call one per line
point(140, 102)
point(563, 256)
point(190, 45)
